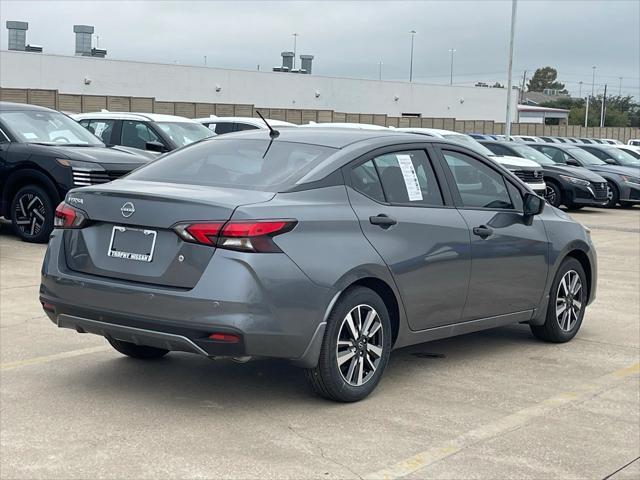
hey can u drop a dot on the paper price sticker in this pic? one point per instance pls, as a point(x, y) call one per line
point(410, 178)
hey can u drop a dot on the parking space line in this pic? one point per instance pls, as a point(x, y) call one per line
point(502, 425)
point(52, 358)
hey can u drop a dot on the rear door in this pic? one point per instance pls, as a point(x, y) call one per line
point(509, 255)
point(408, 217)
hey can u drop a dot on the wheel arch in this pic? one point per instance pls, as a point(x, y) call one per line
point(28, 176)
point(584, 260)
point(387, 295)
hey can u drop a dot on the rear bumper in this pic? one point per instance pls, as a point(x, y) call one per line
point(264, 299)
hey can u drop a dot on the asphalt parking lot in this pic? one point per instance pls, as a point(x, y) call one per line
point(496, 404)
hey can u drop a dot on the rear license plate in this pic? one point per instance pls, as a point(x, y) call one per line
point(132, 243)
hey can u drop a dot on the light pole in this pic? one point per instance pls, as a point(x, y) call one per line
point(620, 88)
point(452, 50)
point(593, 82)
point(413, 34)
point(507, 125)
point(380, 70)
point(295, 44)
point(580, 90)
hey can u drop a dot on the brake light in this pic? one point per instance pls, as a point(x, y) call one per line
point(224, 337)
point(245, 236)
point(67, 216)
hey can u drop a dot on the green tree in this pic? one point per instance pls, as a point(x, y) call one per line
point(543, 78)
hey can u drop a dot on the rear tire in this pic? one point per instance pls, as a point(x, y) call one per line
point(567, 303)
point(32, 214)
point(141, 352)
point(359, 334)
point(613, 195)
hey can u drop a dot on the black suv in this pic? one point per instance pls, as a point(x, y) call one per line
point(43, 154)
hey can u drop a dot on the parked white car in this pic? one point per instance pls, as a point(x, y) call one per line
point(526, 170)
point(630, 149)
point(222, 125)
point(527, 138)
point(145, 131)
point(361, 126)
point(634, 141)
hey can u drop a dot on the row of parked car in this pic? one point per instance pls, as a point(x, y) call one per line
point(45, 153)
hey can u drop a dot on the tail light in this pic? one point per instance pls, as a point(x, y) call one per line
point(244, 236)
point(67, 216)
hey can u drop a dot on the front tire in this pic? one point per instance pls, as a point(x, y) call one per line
point(553, 195)
point(141, 352)
point(32, 214)
point(355, 349)
point(613, 195)
point(567, 303)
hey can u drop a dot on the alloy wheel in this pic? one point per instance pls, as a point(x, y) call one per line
point(30, 214)
point(551, 197)
point(609, 193)
point(360, 344)
point(569, 299)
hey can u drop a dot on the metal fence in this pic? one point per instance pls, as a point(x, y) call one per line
point(90, 103)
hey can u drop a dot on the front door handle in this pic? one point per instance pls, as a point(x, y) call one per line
point(483, 231)
point(382, 220)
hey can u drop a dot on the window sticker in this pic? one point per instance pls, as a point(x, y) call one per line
point(410, 177)
point(100, 127)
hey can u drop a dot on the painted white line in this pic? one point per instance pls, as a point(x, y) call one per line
point(502, 425)
point(52, 358)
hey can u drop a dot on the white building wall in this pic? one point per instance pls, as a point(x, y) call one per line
point(181, 83)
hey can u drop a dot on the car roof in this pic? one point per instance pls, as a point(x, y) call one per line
point(248, 120)
point(16, 107)
point(345, 125)
point(433, 131)
point(329, 137)
point(149, 117)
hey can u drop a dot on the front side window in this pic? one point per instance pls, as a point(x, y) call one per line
point(408, 178)
point(103, 129)
point(47, 127)
point(136, 134)
point(236, 163)
point(555, 154)
point(479, 185)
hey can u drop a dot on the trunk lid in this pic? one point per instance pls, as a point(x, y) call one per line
point(135, 217)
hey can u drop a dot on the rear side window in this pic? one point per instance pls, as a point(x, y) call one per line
point(236, 163)
point(498, 149)
point(245, 126)
point(364, 179)
point(479, 185)
point(224, 127)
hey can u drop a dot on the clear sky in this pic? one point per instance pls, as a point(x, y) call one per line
point(351, 38)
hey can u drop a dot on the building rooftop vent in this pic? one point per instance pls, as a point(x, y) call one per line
point(18, 37)
point(84, 45)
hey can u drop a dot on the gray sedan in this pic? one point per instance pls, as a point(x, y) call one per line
point(326, 247)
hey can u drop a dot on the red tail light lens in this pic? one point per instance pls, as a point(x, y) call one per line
point(224, 337)
point(67, 216)
point(245, 236)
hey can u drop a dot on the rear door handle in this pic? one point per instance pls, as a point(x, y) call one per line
point(483, 231)
point(382, 220)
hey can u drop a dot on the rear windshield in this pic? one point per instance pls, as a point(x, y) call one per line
point(236, 163)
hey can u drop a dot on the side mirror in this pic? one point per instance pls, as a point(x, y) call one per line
point(155, 147)
point(571, 161)
point(610, 161)
point(533, 205)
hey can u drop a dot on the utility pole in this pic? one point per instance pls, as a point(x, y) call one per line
point(593, 82)
point(586, 113)
point(205, 60)
point(452, 50)
point(580, 90)
point(524, 80)
point(295, 44)
point(603, 109)
point(413, 34)
point(507, 125)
